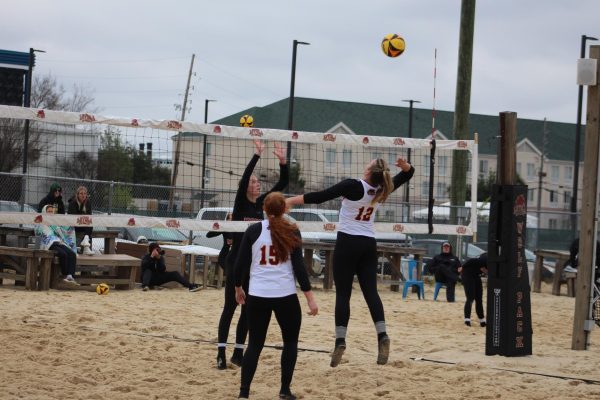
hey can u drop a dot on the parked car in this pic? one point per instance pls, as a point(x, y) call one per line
point(13, 206)
point(314, 215)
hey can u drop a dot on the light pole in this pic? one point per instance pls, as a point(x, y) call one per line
point(27, 103)
point(584, 38)
point(291, 102)
point(204, 145)
point(410, 119)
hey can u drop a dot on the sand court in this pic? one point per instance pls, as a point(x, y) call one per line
point(161, 345)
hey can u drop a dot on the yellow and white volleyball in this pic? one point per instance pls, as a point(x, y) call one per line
point(247, 121)
point(393, 45)
point(102, 288)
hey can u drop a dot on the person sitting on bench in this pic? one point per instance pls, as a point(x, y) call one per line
point(154, 270)
point(61, 240)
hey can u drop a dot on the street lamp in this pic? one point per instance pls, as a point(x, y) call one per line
point(291, 102)
point(584, 38)
point(410, 119)
point(204, 145)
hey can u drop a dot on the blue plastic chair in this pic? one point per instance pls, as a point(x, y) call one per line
point(411, 280)
point(438, 286)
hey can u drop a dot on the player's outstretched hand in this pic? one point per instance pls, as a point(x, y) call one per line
point(260, 147)
point(403, 164)
point(280, 153)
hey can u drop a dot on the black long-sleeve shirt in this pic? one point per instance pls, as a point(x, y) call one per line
point(153, 264)
point(244, 259)
point(245, 210)
point(352, 189)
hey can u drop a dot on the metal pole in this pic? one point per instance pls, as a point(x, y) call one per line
point(27, 103)
point(291, 101)
point(204, 145)
point(541, 175)
point(574, 196)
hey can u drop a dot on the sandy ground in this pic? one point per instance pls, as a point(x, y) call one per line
point(161, 345)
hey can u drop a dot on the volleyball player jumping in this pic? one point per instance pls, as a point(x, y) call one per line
point(271, 253)
point(355, 250)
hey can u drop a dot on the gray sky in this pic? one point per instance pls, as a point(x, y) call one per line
point(135, 55)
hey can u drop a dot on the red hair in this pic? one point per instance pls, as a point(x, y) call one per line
point(283, 233)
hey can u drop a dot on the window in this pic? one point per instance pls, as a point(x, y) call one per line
point(567, 197)
point(426, 165)
point(442, 163)
point(530, 170)
point(554, 173)
point(553, 197)
point(209, 151)
point(330, 155)
point(425, 189)
point(207, 175)
point(392, 158)
point(483, 167)
point(441, 189)
point(389, 215)
point(568, 173)
point(519, 168)
point(347, 158)
point(530, 195)
point(376, 154)
point(552, 223)
point(328, 181)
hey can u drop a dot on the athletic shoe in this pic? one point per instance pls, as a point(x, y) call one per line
point(145, 288)
point(337, 354)
point(468, 323)
point(383, 348)
point(482, 324)
point(194, 288)
point(70, 280)
point(283, 396)
point(221, 363)
point(237, 357)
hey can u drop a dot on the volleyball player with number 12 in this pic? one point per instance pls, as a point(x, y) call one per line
point(355, 250)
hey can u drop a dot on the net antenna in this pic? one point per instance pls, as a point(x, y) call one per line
point(432, 154)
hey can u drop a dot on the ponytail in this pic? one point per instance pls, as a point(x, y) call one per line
point(283, 233)
point(380, 175)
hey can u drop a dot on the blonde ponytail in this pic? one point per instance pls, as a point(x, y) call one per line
point(380, 175)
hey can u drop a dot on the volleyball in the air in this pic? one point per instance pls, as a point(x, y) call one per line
point(392, 45)
point(102, 288)
point(247, 121)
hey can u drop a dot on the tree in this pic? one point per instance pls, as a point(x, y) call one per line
point(114, 157)
point(48, 94)
point(79, 165)
point(484, 186)
point(296, 184)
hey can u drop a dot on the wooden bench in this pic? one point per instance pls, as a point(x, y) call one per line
point(32, 271)
point(557, 280)
point(122, 270)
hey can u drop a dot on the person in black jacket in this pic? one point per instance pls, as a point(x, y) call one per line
point(271, 254)
point(247, 206)
point(54, 199)
point(154, 270)
point(227, 241)
point(79, 204)
point(445, 267)
point(574, 258)
point(471, 279)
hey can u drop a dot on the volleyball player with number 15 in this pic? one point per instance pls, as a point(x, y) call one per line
point(355, 250)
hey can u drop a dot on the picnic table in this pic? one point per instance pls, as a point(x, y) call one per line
point(561, 257)
point(393, 252)
point(210, 256)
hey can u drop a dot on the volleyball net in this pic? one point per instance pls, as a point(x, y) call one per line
point(161, 173)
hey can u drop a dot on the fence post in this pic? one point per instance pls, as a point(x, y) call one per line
point(110, 196)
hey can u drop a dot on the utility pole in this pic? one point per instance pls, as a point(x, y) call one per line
point(541, 175)
point(204, 147)
point(177, 150)
point(458, 185)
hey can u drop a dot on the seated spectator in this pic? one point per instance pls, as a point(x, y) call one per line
point(53, 198)
point(60, 240)
point(446, 266)
point(154, 270)
point(79, 204)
